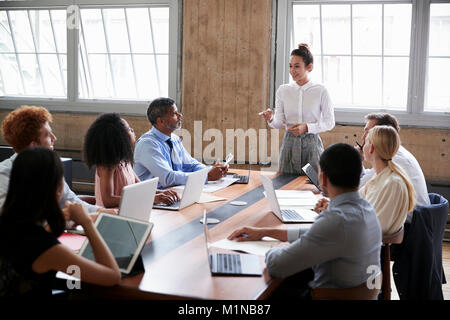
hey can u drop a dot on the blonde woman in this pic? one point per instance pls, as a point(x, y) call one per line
point(390, 191)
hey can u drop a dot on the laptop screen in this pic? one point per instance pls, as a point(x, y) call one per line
point(125, 238)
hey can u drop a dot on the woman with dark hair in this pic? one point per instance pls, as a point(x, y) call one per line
point(304, 109)
point(109, 145)
point(31, 222)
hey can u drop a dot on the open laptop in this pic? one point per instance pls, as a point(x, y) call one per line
point(137, 199)
point(231, 263)
point(311, 173)
point(294, 215)
point(191, 193)
point(243, 179)
point(124, 236)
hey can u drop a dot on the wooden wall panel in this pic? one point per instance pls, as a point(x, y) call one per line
point(226, 63)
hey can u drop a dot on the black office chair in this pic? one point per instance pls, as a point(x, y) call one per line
point(418, 271)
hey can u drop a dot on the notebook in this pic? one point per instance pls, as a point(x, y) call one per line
point(291, 215)
point(230, 263)
point(124, 236)
point(191, 193)
point(137, 199)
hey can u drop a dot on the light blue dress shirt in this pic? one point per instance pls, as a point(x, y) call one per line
point(153, 158)
point(342, 246)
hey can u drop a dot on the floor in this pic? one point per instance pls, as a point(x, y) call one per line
point(446, 264)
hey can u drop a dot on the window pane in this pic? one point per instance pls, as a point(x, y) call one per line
point(397, 29)
point(336, 29)
point(59, 26)
point(9, 69)
point(22, 31)
point(6, 44)
point(160, 23)
point(116, 30)
point(139, 24)
point(306, 29)
point(101, 76)
point(31, 75)
point(396, 72)
point(43, 76)
point(123, 76)
point(147, 81)
point(51, 75)
point(440, 30)
point(438, 77)
point(151, 73)
point(40, 20)
point(163, 68)
point(367, 81)
point(438, 93)
point(367, 29)
point(93, 31)
point(337, 78)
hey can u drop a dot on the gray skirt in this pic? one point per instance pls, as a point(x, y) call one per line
point(296, 152)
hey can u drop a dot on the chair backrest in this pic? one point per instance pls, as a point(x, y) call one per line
point(394, 237)
point(361, 292)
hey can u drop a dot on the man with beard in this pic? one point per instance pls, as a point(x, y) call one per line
point(160, 153)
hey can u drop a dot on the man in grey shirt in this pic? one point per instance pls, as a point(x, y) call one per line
point(343, 244)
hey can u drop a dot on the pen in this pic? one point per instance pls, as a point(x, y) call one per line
point(359, 145)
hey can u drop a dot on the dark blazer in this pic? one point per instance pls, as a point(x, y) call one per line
point(418, 271)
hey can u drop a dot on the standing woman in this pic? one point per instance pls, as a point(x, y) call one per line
point(304, 108)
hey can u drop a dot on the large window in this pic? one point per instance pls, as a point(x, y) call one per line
point(104, 55)
point(370, 58)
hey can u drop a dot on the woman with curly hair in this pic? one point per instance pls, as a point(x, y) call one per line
point(108, 145)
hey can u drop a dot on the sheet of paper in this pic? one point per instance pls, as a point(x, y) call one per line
point(295, 194)
point(213, 186)
point(253, 247)
point(206, 197)
point(298, 202)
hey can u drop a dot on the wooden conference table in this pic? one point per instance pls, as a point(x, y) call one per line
point(175, 257)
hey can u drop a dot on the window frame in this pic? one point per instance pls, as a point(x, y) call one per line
point(414, 115)
point(72, 103)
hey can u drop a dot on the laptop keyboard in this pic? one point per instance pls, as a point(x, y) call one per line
point(291, 215)
point(228, 263)
point(242, 179)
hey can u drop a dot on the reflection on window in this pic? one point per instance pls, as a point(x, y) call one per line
point(361, 51)
point(438, 78)
point(33, 53)
point(124, 53)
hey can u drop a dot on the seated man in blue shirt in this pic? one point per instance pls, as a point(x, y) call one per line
point(343, 244)
point(160, 153)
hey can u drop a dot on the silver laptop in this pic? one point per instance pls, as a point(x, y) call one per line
point(231, 263)
point(191, 193)
point(288, 215)
point(243, 179)
point(137, 199)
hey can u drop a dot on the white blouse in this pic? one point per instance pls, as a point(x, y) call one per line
point(388, 194)
point(310, 104)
